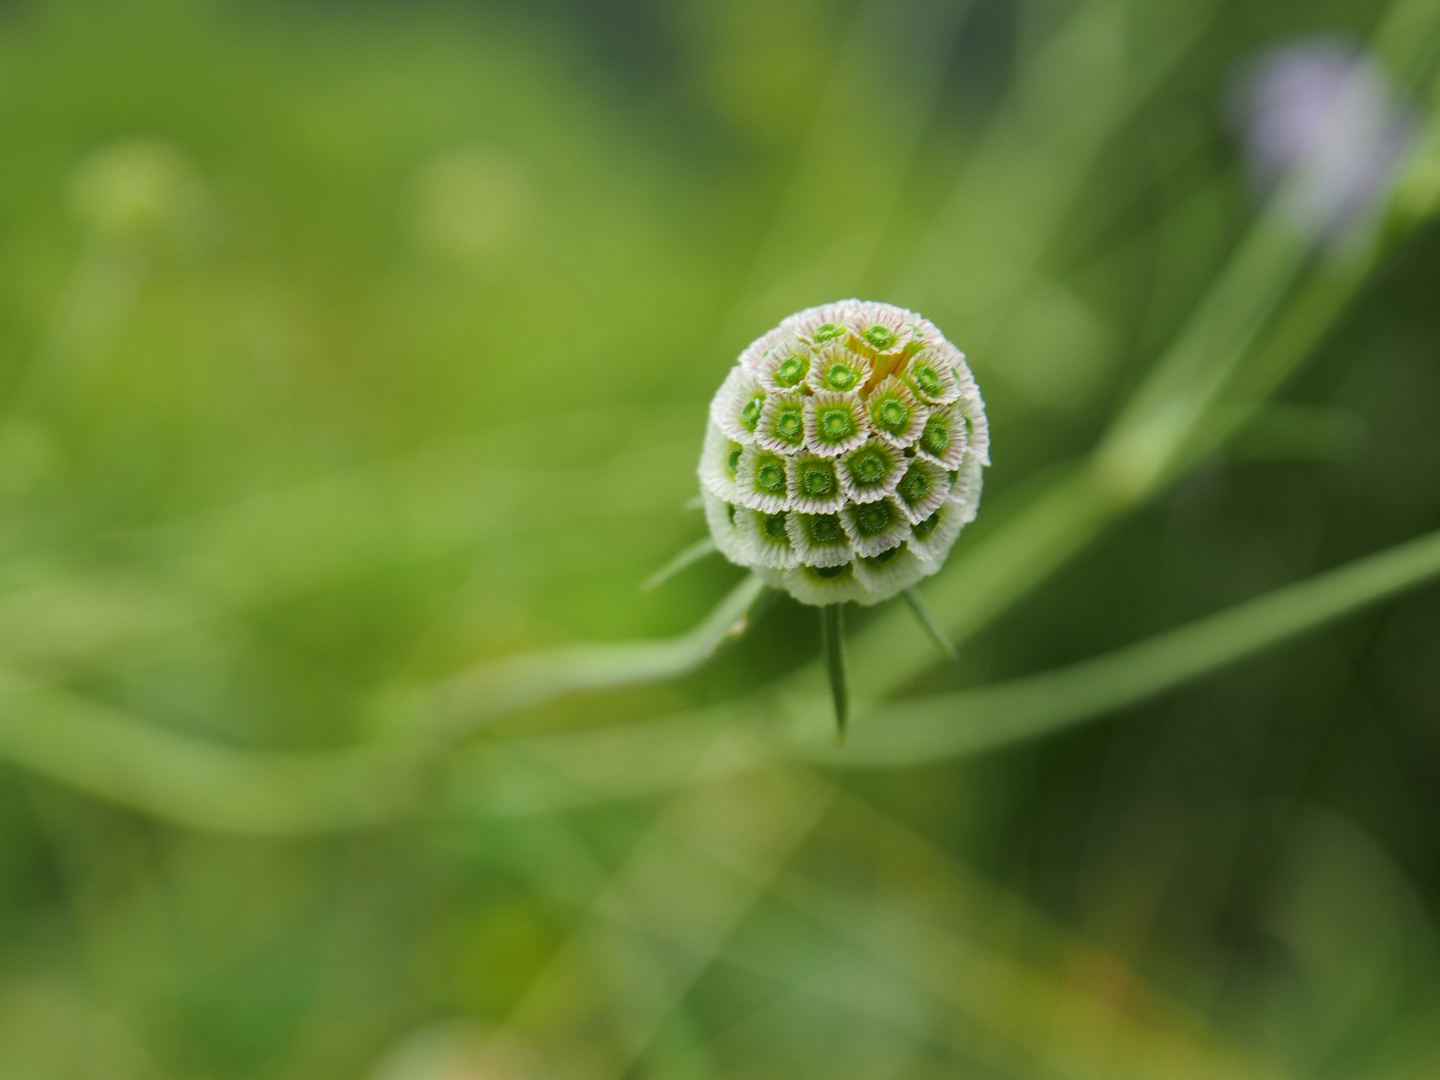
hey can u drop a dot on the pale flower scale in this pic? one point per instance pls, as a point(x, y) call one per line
point(849, 510)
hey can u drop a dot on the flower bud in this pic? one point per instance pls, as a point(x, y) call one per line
point(844, 453)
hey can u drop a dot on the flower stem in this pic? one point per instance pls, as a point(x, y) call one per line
point(832, 636)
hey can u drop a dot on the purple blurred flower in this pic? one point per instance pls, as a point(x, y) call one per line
point(1320, 106)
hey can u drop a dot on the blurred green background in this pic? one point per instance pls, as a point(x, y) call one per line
point(355, 359)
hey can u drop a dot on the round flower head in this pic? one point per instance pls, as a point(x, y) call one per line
point(844, 453)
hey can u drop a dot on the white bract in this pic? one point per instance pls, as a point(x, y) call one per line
point(844, 453)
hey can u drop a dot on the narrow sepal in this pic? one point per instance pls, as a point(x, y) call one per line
point(832, 635)
point(875, 527)
point(929, 624)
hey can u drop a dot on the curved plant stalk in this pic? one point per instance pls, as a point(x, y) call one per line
point(537, 775)
point(832, 643)
point(969, 721)
point(1246, 337)
point(120, 758)
point(112, 755)
point(464, 702)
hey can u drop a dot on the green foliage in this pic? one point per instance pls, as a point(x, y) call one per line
point(356, 365)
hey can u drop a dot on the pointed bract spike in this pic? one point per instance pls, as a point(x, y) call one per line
point(688, 557)
point(832, 635)
point(927, 621)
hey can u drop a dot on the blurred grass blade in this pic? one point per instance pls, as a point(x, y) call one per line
point(109, 754)
point(716, 845)
point(199, 783)
point(465, 701)
point(1177, 418)
point(972, 947)
point(535, 775)
point(927, 728)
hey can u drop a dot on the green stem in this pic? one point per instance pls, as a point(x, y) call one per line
point(832, 636)
point(471, 699)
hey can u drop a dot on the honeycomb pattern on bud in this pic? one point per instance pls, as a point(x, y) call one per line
point(844, 453)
